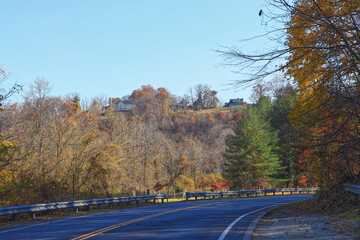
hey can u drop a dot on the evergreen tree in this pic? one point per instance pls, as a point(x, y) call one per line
point(251, 153)
point(289, 138)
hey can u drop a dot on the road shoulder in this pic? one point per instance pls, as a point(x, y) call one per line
point(291, 223)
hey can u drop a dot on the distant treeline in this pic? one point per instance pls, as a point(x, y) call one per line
point(52, 150)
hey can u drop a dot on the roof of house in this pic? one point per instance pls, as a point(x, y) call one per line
point(127, 102)
point(236, 100)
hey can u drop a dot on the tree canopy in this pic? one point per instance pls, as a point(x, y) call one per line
point(318, 53)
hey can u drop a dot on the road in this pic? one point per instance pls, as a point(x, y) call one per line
point(207, 219)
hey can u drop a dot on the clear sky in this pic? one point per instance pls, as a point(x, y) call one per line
point(113, 47)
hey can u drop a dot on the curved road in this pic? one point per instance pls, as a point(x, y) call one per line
point(208, 219)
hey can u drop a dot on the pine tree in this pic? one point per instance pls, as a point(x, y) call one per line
point(289, 139)
point(251, 154)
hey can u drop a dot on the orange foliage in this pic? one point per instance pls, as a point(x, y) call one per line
point(303, 181)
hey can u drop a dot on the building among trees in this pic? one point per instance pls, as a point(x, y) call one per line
point(235, 102)
point(125, 105)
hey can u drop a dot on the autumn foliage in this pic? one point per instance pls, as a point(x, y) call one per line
point(324, 63)
point(55, 149)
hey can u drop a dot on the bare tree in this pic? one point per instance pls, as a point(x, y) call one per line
point(259, 90)
point(190, 96)
point(38, 97)
point(205, 97)
point(6, 93)
point(100, 99)
point(278, 86)
point(85, 103)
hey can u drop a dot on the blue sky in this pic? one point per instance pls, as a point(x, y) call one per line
point(113, 47)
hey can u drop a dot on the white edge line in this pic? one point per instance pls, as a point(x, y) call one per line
point(223, 235)
point(16, 229)
point(39, 224)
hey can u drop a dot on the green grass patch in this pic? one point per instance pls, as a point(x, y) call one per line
point(216, 110)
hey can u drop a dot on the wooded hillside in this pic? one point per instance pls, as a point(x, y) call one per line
point(52, 150)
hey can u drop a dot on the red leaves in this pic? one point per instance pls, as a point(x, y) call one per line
point(220, 115)
point(261, 183)
point(303, 181)
point(237, 117)
point(218, 186)
point(158, 187)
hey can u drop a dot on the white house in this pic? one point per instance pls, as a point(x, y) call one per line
point(125, 105)
point(183, 104)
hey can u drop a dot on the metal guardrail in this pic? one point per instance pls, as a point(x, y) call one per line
point(32, 209)
point(248, 192)
point(352, 188)
point(76, 204)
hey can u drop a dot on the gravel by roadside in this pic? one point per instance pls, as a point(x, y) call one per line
point(287, 223)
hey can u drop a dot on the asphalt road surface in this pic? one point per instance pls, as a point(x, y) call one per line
point(207, 219)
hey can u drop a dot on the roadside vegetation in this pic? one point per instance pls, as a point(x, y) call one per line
point(55, 149)
point(316, 48)
point(304, 129)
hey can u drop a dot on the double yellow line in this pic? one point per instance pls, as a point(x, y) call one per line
point(103, 230)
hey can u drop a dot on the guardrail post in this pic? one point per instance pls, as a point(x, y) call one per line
point(282, 192)
point(14, 217)
point(291, 192)
point(195, 197)
point(32, 215)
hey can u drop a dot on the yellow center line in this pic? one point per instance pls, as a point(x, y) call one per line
point(103, 230)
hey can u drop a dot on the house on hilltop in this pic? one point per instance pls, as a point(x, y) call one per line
point(235, 102)
point(183, 104)
point(125, 105)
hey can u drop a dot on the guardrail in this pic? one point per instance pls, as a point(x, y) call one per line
point(32, 209)
point(352, 188)
point(248, 192)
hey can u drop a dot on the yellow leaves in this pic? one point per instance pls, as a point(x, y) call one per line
point(316, 43)
point(110, 152)
point(88, 138)
point(185, 182)
point(6, 175)
point(214, 177)
point(72, 122)
point(7, 144)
